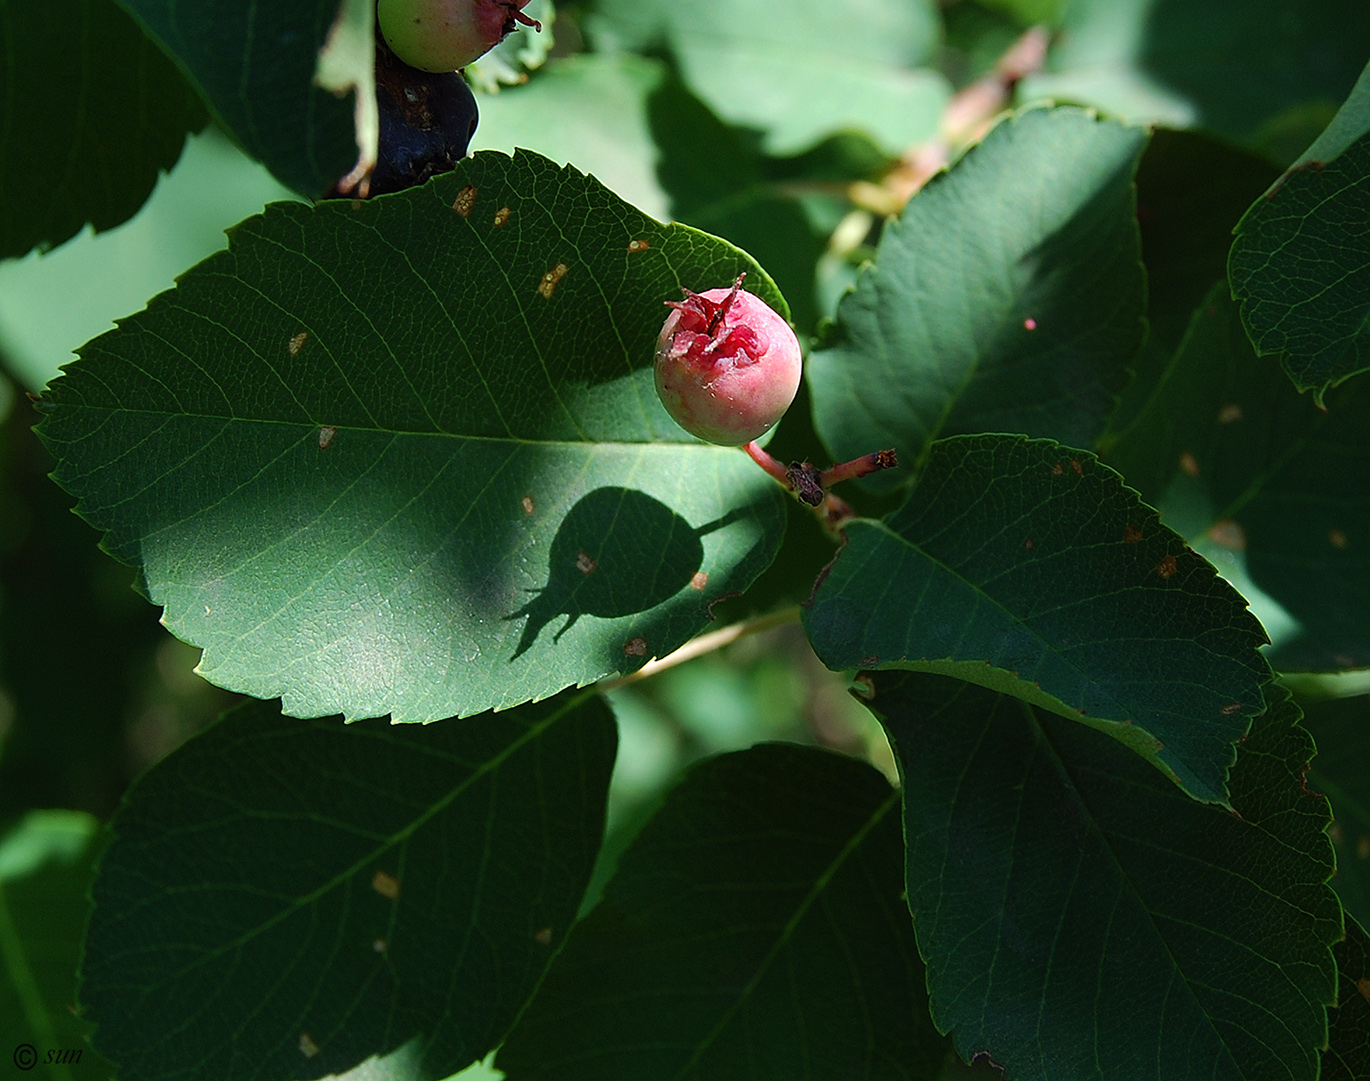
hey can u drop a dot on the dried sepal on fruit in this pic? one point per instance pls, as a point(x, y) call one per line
point(443, 35)
point(727, 365)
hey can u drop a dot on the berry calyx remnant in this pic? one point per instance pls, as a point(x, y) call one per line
point(443, 35)
point(727, 365)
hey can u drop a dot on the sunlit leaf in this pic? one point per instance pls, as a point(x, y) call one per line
point(404, 458)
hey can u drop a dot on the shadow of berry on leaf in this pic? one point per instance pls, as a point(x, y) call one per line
point(617, 552)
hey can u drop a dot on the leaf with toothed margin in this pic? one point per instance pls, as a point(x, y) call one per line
point(285, 899)
point(1029, 568)
point(407, 457)
point(1080, 917)
point(1008, 297)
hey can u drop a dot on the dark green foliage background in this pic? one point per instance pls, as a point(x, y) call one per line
point(402, 459)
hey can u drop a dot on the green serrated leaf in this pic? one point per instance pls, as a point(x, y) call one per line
point(404, 458)
point(92, 113)
point(1008, 297)
point(302, 895)
point(1239, 462)
point(1029, 568)
point(47, 860)
point(1347, 1057)
point(255, 64)
point(1081, 918)
point(756, 919)
point(1300, 265)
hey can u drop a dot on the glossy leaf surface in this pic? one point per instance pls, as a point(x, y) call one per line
point(1008, 297)
point(306, 894)
point(757, 919)
point(1030, 568)
point(1081, 917)
point(367, 447)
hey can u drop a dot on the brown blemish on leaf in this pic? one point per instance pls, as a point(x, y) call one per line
point(1230, 708)
point(543, 937)
point(308, 1048)
point(1029, 323)
point(1336, 538)
point(388, 886)
point(548, 285)
point(1057, 469)
point(638, 245)
point(635, 647)
point(1363, 986)
point(1028, 543)
point(380, 945)
point(326, 435)
point(868, 662)
point(1189, 464)
point(528, 505)
point(1166, 567)
point(1075, 465)
point(501, 216)
point(699, 580)
point(863, 686)
point(586, 563)
point(1230, 413)
point(296, 343)
point(465, 200)
point(1229, 534)
point(1131, 535)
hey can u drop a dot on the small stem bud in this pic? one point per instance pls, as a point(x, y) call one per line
point(858, 467)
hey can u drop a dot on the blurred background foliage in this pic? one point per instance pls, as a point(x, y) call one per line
point(793, 129)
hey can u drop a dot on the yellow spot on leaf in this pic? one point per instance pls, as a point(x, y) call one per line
point(528, 505)
point(543, 937)
point(466, 199)
point(1189, 464)
point(296, 342)
point(638, 245)
point(1336, 538)
point(1230, 413)
point(501, 216)
point(308, 1048)
point(388, 886)
point(548, 285)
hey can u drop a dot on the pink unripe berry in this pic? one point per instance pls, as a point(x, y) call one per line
point(443, 35)
point(727, 365)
